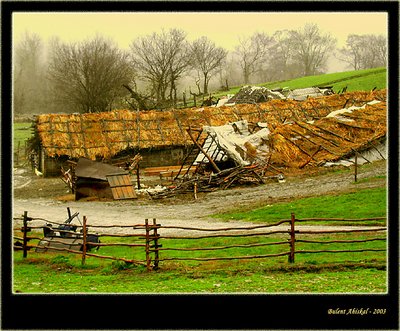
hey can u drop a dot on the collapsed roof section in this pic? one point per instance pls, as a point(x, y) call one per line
point(334, 137)
point(257, 94)
point(237, 141)
point(96, 179)
point(310, 92)
point(328, 140)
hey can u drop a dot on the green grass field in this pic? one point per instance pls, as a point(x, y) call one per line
point(21, 133)
point(40, 276)
point(359, 272)
point(360, 80)
point(360, 204)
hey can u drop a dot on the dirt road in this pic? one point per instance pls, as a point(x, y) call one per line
point(37, 196)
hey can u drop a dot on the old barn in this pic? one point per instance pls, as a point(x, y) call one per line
point(301, 132)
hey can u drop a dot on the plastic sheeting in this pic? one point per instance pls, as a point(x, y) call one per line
point(236, 141)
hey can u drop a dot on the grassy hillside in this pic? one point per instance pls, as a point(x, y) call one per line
point(359, 80)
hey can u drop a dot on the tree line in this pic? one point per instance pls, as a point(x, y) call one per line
point(95, 75)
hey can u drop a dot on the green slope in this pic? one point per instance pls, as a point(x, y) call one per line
point(364, 80)
point(359, 80)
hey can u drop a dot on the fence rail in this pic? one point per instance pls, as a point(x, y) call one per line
point(151, 235)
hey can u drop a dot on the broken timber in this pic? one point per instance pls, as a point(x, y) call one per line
point(203, 151)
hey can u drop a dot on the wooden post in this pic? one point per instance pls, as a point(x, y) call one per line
point(84, 233)
point(203, 151)
point(292, 238)
point(156, 255)
point(25, 231)
point(355, 166)
point(147, 245)
point(138, 176)
point(17, 155)
point(184, 99)
point(195, 190)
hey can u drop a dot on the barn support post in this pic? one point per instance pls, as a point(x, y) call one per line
point(17, 154)
point(148, 261)
point(138, 176)
point(25, 231)
point(84, 234)
point(156, 245)
point(292, 238)
point(355, 166)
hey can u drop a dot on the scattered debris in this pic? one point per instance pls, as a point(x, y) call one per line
point(65, 236)
point(305, 93)
point(89, 178)
point(210, 181)
point(231, 155)
point(255, 94)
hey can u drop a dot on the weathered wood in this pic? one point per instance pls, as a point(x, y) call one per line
point(226, 235)
point(84, 235)
point(25, 233)
point(355, 166)
point(148, 261)
point(226, 229)
point(120, 244)
point(203, 151)
point(156, 245)
point(292, 238)
point(223, 247)
point(96, 255)
point(356, 126)
point(224, 258)
point(298, 147)
point(311, 157)
point(342, 251)
point(341, 231)
point(317, 134)
point(338, 241)
point(333, 133)
point(340, 219)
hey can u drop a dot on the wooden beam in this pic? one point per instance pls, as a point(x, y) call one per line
point(203, 151)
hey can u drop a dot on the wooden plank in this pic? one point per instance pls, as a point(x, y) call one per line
point(156, 171)
point(121, 187)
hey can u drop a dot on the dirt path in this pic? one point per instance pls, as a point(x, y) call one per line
point(193, 213)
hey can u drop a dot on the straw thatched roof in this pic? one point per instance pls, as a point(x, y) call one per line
point(106, 134)
point(330, 138)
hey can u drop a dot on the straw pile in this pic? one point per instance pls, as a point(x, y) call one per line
point(105, 134)
point(299, 143)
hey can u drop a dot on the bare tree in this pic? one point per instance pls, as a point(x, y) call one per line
point(161, 59)
point(252, 53)
point(311, 48)
point(281, 65)
point(28, 75)
point(89, 76)
point(207, 59)
point(364, 51)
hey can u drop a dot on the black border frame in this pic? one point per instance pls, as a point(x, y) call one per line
point(224, 311)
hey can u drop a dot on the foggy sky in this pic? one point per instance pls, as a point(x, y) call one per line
point(222, 28)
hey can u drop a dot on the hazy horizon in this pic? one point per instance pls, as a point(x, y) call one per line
point(223, 28)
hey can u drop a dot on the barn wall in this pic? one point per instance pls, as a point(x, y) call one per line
point(162, 157)
point(151, 158)
point(50, 167)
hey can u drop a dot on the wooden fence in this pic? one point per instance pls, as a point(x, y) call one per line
point(149, 239)
point(20, 153)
